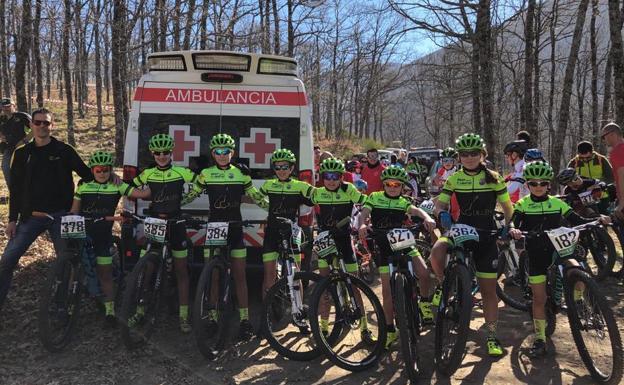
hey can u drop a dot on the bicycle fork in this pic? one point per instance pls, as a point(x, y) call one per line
point(295, 291)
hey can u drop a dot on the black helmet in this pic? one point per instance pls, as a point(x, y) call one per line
point(566, 176)
point(519, 146)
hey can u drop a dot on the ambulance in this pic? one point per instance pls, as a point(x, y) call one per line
point(192, 95)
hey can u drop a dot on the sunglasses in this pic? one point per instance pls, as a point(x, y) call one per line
point(222, 151)
point(159, 153)
point(283, 167)
point(41, 123)
point(585, 158)
point(535, 184)
point(472, 154)
point(331, 175)
point(447, 160)
point(101, 169)
point(393, 184)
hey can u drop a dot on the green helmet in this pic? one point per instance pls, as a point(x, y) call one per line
point(449, 152)
point(222, 141)
point(469, 142)
point(161, 142)
point(332, 165)
point(101, 158)
point(394, 172)
point(537, 170)
point(283, 155)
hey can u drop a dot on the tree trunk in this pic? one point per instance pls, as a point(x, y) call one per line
point(161, 9)
point(21, 56)
point(291, 30)
point(276, 33)
point(203, 32)
point(177, 16)
point(107, 52)
point(553, 68)
point(617, 53)
point(594, 73)
point(66, 73)
point(37, 54)
point(186, 45)
point(484, 35)
point(564, 110)
point(536, 75)
point(119, 59)
point(527, 116)
point(98, 66)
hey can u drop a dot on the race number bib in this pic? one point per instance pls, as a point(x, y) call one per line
point(462, 233)
point(427, 206)
point(564, 240)
point(400, 239)
point(587, 198)
point(324, 245)
point(296, 234)
point(73, 226)
point(155, 229)
point(216, 233)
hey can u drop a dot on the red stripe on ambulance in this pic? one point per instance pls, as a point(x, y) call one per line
point(193, 95)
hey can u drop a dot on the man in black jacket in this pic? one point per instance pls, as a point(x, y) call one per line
point(12, 133)
point(41, 191)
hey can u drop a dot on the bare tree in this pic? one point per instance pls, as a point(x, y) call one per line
point(66, 72)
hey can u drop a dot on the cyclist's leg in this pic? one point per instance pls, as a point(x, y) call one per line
point(438, 257)
point(324, 304)
point(238, 259)
point(485, 257)
point(540, 259)
point(179, 252)
point(381, 259)
point(579, 288)
point(102, 238)
point(269, 259)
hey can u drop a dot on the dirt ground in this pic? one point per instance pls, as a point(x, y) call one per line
point(96, 355)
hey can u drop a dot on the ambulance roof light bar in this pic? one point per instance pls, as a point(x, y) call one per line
point(269, 66)
point(221, 61)
point(166, 63)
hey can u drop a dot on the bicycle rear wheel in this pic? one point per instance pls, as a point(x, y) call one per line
point(334, 301)
point(141, 301)
point(600, 244)
point(287, 330)
point(59, 303)
point(407, 317)
point(211, 309)
point(594, 329)
point(514, 290)
point(453, 319)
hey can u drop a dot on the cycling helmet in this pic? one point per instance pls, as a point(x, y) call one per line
point(566, 176)
point(161, 142)
point(469, 142)
point(361, 185)
point(352, 165)
point(449, 152)
point(101, 158)
point(533, 154)
point(385, 162)
point(519, 146)
point(332, 165)
point(537, 170)
point(222, 141)
point(283, 155)
point(394, 172)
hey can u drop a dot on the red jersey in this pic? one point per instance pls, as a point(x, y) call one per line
point(372, 176)
point(616, 158)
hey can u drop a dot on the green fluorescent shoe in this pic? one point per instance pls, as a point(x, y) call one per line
point(391, 338)
point(426, 312)
point(185, 326)
point(494, 347)
point(437, 296)
point(367, 337)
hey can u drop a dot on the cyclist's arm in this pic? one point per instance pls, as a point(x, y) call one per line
point(252, 192)
point(75, 208)
point(607, 171)
point(507, 211)
point(196, 190)
point(363, 217)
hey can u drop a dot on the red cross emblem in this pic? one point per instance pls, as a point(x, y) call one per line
point(186, 145)
point(258, 147)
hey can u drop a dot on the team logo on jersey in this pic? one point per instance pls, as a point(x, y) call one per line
point(231, 176)
point(288, 187)
point(482, 181)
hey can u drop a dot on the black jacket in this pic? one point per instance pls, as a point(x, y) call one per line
point(62, 161)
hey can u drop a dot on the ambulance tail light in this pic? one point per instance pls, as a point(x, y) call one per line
point(308, 177)
point(166, 63)
point(221, 61)
point(268, 66)
point(129, 173)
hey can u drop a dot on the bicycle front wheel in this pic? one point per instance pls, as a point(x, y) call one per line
point(407, 317)
point(335, 304)
point(453, 319)
point(594, 329)
point(602, 249)
point(141, 300)
point(59, 303)
point(513, 287)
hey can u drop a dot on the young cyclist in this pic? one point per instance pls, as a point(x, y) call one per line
point(448, 160)
point(96, 199)
point(514, 153)
point(335, 200)
point(285, 195)
point(225, 185)
point(166, 183)
point(478, 189)
point(575, 184)
point(387, 210)
point(537, 212)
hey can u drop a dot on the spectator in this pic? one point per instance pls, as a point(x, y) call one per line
point(403, 158)
point(41, 182)
point(355, 169)
point(371, 171)
point(590, 164)
point(393, 160)
point(612, 135)
point(524, 135)
point(12, 133)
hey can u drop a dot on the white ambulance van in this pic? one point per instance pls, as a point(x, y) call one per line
point(192, 95)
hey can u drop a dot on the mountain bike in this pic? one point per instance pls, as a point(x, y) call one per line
point(335, 301)
point(71, 277)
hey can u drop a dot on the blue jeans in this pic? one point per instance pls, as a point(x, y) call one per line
point(26, 233)
point(6, 164)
